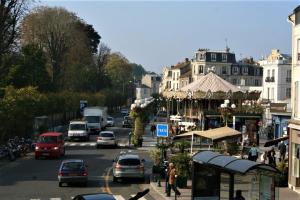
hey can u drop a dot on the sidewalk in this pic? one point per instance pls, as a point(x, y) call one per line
point(185, 192)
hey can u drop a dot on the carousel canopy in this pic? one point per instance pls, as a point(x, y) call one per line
point(211, 82)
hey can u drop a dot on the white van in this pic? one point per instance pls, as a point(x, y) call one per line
point(78, 130)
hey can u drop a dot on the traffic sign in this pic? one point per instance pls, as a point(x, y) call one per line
point(83, 104)
point(162, 130)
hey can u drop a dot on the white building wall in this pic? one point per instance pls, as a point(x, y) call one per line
point(296, 72)
point(142, 93)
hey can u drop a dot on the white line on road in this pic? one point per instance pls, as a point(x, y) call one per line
point(56, 198)
point(142, 198)
point(118, 197)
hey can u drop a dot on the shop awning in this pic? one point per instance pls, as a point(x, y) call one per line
point(275, 141)
point(230, 163)
point(213, 134)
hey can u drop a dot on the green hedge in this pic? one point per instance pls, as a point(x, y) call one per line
point(18, 107)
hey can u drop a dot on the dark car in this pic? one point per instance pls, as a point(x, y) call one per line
point(127, 122)
point(72, 171)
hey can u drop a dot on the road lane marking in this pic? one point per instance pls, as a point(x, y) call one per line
point(106, 181)
point(118, 197)
point(56, 198)
point(142, 198)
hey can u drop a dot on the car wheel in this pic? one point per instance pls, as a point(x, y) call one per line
point(60, 184)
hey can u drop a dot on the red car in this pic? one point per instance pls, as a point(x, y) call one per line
point(50, 144)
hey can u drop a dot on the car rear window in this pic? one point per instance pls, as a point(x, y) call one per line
point(72, 165)
point(129, 161)
point(106, 135)
point(47, 139)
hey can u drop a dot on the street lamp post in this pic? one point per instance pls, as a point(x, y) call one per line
point(226, 109)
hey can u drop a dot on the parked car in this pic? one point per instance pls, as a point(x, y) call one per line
point(72, 171)
point(124, 111)
point(50, 144)
point(127, 122)
point(110, 121)
point(106, 138)
point(128, 165)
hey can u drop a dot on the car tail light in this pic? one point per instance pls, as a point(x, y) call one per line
point(99, 138)
point(84, 173)
point(61, 174)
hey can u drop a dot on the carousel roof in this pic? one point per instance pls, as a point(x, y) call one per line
point(211, 82)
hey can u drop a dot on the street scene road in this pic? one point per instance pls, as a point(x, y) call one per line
point(30, 179)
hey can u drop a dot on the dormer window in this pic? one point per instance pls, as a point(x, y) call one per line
point(224, 57)
point(235, 70)
point(213, 57)
point(245, 70)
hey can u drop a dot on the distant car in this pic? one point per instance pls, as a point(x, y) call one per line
point(127, 122)
point(72, 171)
point(78, 130)
point(128, 165)
point(106, 138)
point(124, 111)
point(97, 196)
point(110, 121)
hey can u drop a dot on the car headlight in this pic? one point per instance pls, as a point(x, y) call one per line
point(37, 148)
point(55, 148)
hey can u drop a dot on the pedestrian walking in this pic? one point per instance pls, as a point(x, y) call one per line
point(172, 177)
point(271, 157)
point(153, 129)
point(238, 195)
point(253, 153)
point(282, 150)
point(264, 157)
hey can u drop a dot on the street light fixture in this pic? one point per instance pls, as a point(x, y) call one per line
point(226, 109)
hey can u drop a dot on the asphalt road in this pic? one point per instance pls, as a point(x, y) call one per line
point(31, 179)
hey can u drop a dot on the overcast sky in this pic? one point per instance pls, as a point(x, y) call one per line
point(156, 34)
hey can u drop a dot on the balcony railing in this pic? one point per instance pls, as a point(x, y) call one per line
point(270, 79)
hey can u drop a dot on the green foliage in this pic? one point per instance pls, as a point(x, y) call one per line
point(155, 155)
point(233, 148)
point(30, 70)
point(137, 71)
point(181, 145)
point(182, 162)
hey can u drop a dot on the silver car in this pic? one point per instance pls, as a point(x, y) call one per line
point(110, 121)
point(128, 165)
point(72, 171)
point(106, 138)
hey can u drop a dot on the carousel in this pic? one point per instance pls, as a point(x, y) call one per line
point(212, 102)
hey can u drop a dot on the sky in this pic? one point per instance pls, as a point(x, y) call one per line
point(158, 34)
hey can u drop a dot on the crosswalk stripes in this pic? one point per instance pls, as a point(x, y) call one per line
point(117, 197)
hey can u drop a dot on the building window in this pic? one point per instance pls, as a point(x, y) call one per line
point(235, 70)
point(200, 68)
point(234, 81)
point(213, 57)
point(296, 100)
point(288, 76)
point(295, 159)
point(245, 70)
point(273, 72)
point(177, 76)
point(257, 72)
point(256, 82)
point(224, 70)
point(174, 76)
point(268, 73)
point(224, 57)
point(194, 69)
point(288, 93)
point(201, 56)
point(177, 86)
point(272, 93)
point(173, 86)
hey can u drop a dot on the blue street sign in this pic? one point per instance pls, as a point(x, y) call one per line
point(162, 130)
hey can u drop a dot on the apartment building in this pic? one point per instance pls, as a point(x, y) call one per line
point(294, 123)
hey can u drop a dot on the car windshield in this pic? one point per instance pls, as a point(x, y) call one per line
point(129, 161)
point(77, 126)
point(110, 118)
point(92, 119)
point(106, 135)
point(72, 166)
point(47, 139)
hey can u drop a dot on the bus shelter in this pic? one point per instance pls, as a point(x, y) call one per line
point(218, 177)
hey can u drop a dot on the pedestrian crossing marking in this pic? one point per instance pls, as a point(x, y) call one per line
point(142, 198)
point(119, 197)
point(116, 196)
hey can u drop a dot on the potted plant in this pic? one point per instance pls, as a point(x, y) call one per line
point(182, 162)
point(282, 177)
